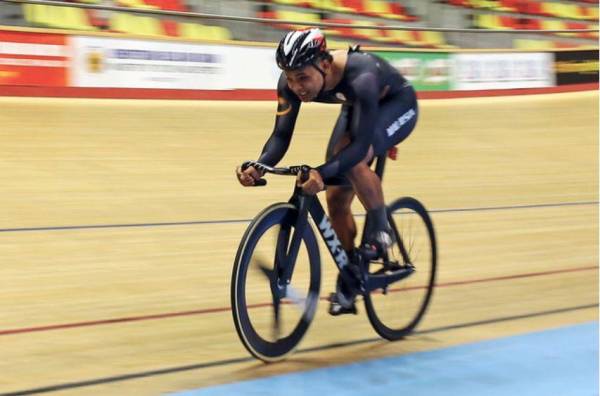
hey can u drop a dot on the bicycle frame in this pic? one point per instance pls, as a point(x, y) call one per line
point(308, 204)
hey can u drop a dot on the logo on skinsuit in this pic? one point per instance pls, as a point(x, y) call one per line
point(280, 109)
point(333, 243)
point(403, 119)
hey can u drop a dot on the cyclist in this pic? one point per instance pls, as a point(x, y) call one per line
point(379, 110)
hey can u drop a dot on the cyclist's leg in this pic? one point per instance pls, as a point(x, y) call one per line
point(340, 196)
point(360, 179)
point(397, 118)
point(368, 188)
point(339, 201)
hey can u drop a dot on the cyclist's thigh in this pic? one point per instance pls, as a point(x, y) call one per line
point(339, 136)
point(397, 119)
point(339, 197)
point(338, 140)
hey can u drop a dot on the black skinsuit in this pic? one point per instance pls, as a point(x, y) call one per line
point(379, 108)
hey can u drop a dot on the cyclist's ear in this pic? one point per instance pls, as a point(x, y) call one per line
point(325, 64)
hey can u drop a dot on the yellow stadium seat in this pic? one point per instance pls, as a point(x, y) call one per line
point(201, 32)
point(532, 44)
point(435, 39)
point(289, 2)
point(191, 30)
point(118, 22)
point(376, 7)
point(489, 21)
point(548, 8)
point(50, 16)
point(556, 25)
point(132, 24)
point(329, 5)
point(402, 36)
point(571, 11)
point(40, 15)
point(218, 33)
point(298, 16)
point(381, 8)
point(489, 4)
point(76, 18)
point(29, 11)
point(149, 26)
point(548, 24)
point(136, 4)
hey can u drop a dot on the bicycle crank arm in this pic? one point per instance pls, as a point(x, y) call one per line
point(375, 282)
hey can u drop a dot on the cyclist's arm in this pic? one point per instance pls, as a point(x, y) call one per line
point(363, 121)
point(287, 112)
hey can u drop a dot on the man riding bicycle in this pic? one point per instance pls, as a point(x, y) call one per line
point(379, 110)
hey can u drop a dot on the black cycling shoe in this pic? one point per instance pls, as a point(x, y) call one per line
point(337, 308)
point(378, 244)
point(342, 301)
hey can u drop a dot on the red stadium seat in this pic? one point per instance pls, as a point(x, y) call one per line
point(508, 22)
point(355, 5)
point(170, 27)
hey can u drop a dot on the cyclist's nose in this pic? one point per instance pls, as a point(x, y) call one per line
point(296, 87)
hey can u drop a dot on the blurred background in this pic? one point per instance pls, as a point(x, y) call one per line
point(499, 16)
point(121, 125)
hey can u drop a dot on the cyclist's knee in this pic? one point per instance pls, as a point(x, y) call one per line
point(339, 200)
point(358, 171)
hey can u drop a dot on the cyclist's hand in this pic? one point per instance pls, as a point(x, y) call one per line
point(314, 184)
point(249, 176)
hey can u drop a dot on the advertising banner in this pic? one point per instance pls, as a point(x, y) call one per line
point(426, 71)
point(576, 67)
point(37, 59)
point(503, 70)
point(124, 63)
point(252, 67)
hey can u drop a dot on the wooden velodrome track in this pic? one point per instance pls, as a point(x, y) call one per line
point(142, 307)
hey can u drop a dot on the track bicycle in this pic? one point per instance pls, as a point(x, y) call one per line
point(276, 275)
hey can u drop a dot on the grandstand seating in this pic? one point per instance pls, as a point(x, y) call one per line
point(406, 38)
point(57, 17)
point(375, 8)
point(533, 7)
point(168, 5)
point(542, 44)
point(202, 32)
point(133, 24)
point(73, 18)
point(135, 4)
point(504, 22)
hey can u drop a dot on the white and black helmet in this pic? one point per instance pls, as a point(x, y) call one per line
point(300, 48)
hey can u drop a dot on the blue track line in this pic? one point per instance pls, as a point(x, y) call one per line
point(237, 221)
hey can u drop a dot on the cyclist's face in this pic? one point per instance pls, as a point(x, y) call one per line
point(305, 83)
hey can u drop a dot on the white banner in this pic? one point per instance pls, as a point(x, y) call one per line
point(253, 67)
point(503, 71)
point(123, 63)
